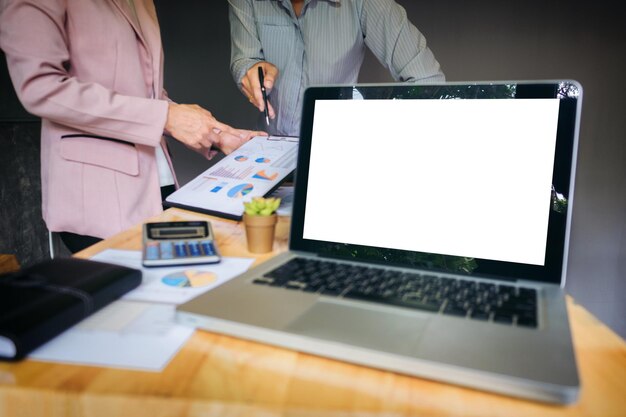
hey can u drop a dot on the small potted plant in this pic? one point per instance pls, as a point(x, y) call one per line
point(260, 220)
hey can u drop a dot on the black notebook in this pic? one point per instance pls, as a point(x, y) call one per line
point(40, 302)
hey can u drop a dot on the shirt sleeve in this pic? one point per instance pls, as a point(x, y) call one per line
point(397, 43)
point(33, 37)
point(246, 49)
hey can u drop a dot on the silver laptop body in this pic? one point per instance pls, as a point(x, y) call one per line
point(444, 214)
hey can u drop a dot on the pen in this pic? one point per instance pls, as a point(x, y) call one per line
point(262, 81)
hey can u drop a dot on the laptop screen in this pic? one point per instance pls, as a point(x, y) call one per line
point(470, 178)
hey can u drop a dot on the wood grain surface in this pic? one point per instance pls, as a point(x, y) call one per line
point(216, 375)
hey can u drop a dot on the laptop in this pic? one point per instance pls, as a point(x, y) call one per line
point(429, 237)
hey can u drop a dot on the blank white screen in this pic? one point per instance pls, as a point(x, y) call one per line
point(457, 177)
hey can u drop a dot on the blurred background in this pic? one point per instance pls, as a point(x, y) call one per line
point(473, 41)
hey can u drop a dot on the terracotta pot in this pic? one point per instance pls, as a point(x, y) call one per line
point(260, 232)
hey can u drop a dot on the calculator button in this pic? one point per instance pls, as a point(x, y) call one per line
point(167, 250)
point(194, 248)
point(181, 249)
point(152, 251)
point(208, 248)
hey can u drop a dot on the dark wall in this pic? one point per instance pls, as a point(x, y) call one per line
point(481, 40)
point(10, 107)
point(22, 230)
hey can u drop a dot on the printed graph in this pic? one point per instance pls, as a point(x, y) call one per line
point(288, 160)
point(218, 187)
point(238, 191)
point(262, 160)
point(262, 175)
point(230, 172)
point(241, 158)
point(202, 182)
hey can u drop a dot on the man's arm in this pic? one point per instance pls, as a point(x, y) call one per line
point(397, 43)
point(246, 49)
point(247, 55)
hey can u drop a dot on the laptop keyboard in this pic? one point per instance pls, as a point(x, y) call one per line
point(506, 304)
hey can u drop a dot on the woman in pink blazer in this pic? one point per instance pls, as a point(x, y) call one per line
point(93, 71)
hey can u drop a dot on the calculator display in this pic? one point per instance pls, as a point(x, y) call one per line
point(170, 230)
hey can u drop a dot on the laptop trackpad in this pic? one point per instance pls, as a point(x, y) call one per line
point(374, 328)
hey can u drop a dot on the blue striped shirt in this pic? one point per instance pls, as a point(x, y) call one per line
point(325, 45)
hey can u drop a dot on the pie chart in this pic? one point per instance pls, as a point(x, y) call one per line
point(189, 278)
point(240, 190)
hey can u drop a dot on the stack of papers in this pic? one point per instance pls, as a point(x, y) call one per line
point(139, 331)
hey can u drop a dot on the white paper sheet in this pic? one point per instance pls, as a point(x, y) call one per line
point(125, 334)
point(251, 171)
point(161, 284)
point(139, 331)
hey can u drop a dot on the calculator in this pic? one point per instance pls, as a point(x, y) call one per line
point(178, 243)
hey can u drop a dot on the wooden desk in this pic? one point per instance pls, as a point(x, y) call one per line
point(215, 375)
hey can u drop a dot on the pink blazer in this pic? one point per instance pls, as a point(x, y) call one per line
point(91, 71)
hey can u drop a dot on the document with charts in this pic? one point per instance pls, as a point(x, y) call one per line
point(253, 170)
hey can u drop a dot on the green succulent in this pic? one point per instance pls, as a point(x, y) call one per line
point(260, 206)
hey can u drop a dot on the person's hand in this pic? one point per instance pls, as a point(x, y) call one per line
point(251, 87)
point(199, 130)
point(230, 141)
point(193, 126)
